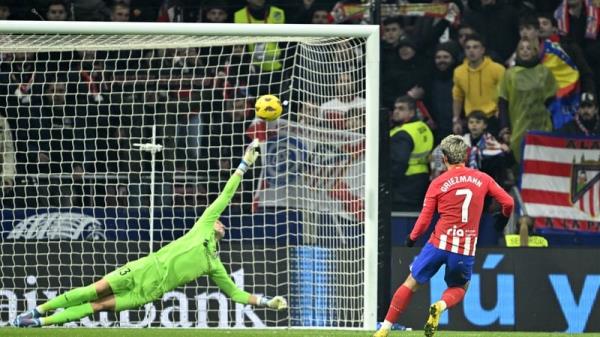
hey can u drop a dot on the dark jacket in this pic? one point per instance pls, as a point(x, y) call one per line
point(499, 25)
point(399, 76)
point(438, 93)
point(585, 129)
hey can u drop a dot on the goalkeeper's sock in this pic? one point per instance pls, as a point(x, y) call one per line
point(69, 299)
point(399, 303)
point(69, 314)
point(453, 296)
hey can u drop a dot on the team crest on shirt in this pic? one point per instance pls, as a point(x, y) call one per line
point(585, 186)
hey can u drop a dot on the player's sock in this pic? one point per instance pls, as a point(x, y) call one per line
point(70, 298)
point(69, 314)
point(387, 325)
point(453, 296)
point(399, 303)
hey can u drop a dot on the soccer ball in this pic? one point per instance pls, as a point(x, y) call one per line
point(268, 107)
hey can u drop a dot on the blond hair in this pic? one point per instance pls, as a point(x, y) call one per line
point(454, 149)
point(534, 46)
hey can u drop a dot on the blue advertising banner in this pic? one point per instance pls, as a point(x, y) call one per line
point(514, 289)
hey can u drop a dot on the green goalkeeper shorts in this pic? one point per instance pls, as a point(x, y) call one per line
point(136, 283)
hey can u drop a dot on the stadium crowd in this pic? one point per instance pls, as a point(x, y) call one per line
point(490, 70)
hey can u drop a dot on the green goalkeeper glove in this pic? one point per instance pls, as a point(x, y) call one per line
point(250, 156)
point(277, 302)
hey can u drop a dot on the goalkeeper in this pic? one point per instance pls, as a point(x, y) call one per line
point(144, 280)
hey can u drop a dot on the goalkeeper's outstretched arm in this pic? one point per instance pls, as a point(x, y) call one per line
point(213, 212)
point(224, 282)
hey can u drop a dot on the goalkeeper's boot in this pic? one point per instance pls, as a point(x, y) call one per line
point(382, 332)
point(435, 311)
point(29, 314)
point(27, 322)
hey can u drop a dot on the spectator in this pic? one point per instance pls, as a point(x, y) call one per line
point(120, 12)
point(60, 150)
point(497, 23)
point(586, 121)
point(439, 88)
point(21, 89)
point(578, 19)
point(173, 11)
point(265, 55)
point(525, 236)
point(485, 153)
point(335, 111)
point(404, 74)
point(525, 93)
point(57, 11)
point(548, 30)
point(215, 12)
point(92, 79)
point(475, 85)
point(4, 10)
point(145, 10)
point(430, 30)
point(392, 33)
point(304, 12)
point(411, 141)
point(464, 31)
point(566, 74)
point(191, 130)
point(90, 10)
point(117, 196)
point(320, 16)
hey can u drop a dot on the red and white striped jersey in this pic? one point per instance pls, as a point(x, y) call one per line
point(458, 196)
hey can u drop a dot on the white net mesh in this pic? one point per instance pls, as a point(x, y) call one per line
point(77, 197)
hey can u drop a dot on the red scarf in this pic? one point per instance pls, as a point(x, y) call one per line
point(591, 12)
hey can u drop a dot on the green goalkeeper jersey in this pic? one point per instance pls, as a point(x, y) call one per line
point(195, 254)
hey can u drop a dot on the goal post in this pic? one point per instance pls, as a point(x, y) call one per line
point(123, 132)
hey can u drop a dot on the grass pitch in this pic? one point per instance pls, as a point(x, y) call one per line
point(110, 332)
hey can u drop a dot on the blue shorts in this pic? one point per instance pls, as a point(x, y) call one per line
point(458, 267)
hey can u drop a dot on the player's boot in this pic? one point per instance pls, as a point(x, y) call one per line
point(382, 332)
point(27, 322)
point(435, 311)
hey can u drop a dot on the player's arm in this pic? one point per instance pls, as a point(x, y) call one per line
point(213, 212)
point(505, 200)
point(429, 207)
point(221, 278)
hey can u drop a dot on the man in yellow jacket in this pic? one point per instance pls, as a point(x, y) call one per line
point(265, 55)
point(411, 142)
point(475, 85)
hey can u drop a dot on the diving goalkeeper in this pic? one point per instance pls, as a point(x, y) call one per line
point(193, 255)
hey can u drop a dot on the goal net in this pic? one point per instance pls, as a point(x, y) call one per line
point(116, 137)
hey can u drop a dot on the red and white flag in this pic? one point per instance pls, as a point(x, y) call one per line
point(560, 183)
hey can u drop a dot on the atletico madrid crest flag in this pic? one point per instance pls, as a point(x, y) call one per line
point(560, 184)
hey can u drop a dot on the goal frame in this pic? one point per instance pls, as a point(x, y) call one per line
point(370, 32)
